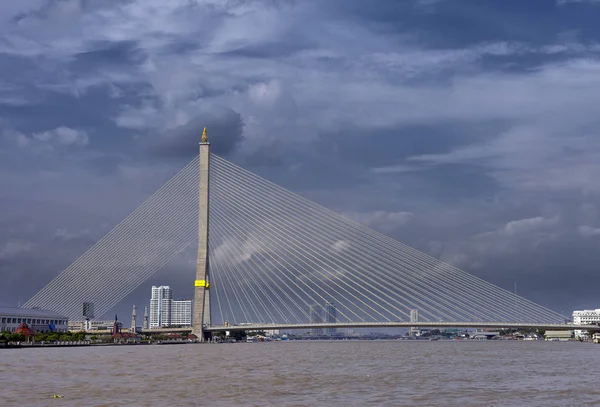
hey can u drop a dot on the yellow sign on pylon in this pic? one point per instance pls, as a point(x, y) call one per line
point(201, 283)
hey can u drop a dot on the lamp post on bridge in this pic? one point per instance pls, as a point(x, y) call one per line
point(201, 284)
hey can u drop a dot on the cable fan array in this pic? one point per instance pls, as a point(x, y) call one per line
point(274, 257)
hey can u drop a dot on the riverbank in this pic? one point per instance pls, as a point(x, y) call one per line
point(72, 344)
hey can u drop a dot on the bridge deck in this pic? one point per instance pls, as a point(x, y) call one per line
point(499, 325)
point(341, 325)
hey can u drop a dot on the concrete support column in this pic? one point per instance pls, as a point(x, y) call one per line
point(202, 284)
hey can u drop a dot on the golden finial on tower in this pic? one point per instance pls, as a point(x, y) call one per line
point(204, 136)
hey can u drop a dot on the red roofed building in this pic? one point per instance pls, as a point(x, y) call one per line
point(24, 330)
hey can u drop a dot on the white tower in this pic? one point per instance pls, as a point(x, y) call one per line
point(145, 326)
point(133, 318)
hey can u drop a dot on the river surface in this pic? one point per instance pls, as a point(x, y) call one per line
point(348, 373)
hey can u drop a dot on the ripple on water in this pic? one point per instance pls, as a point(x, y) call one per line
point(288, 374)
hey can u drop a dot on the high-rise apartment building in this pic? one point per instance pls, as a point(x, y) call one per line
point(160, 306)
point(181, 312)
point(330, 317)
point(164, 311)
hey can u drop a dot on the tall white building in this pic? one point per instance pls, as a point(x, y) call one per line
point(181, 312)
point(585, 317)
point(160, 306)
point(164, 311)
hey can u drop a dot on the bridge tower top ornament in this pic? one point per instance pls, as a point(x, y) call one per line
point(204, 136)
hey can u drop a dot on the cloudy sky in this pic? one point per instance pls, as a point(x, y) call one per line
point(467, 129)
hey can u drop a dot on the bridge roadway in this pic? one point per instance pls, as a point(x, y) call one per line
point(423, 324)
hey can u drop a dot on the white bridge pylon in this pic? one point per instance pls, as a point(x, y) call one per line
point(278, 258)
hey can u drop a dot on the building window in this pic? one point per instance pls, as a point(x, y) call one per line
point(14, 320)
point(4, 320)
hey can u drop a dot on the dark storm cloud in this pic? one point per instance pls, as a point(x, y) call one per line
point(103, 54)
point(225, 124)
point(467, 129)
point(271, 50)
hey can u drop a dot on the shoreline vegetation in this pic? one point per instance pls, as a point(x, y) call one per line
point(10, 340)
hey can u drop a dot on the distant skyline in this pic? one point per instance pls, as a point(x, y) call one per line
point(468, 130)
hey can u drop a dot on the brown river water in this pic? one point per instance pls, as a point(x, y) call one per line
point(341, 373)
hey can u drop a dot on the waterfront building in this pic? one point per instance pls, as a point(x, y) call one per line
point(36, 319)
point(585, 317)
point(181, 313)
point(558, 335)
point(77, 326)
point(316, 317)
point(330, 317)
point(414, 317)
point(94, 325)
point(266, 332)
point(160, 306)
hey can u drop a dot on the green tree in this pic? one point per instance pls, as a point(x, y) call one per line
point(16, 337)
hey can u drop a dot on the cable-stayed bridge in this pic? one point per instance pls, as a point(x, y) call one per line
point(271, 258)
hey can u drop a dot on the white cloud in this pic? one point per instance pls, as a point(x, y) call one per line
point(394, 169)
point(65, 234)
point(61, 136)
point(514, 236)
point(13, 248)
point(524, 226)
point(340, 246)
point(235, 251)
point(588, 231)
point(381, 220)
point(265, 94)
point(137, 118)
point(67, 136)
point(563, 2)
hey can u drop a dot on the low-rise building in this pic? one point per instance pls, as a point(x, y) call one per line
point(93, 325)
point(36, 319)
point(558, 335)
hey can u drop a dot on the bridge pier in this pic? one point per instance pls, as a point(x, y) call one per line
point(201, 316)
